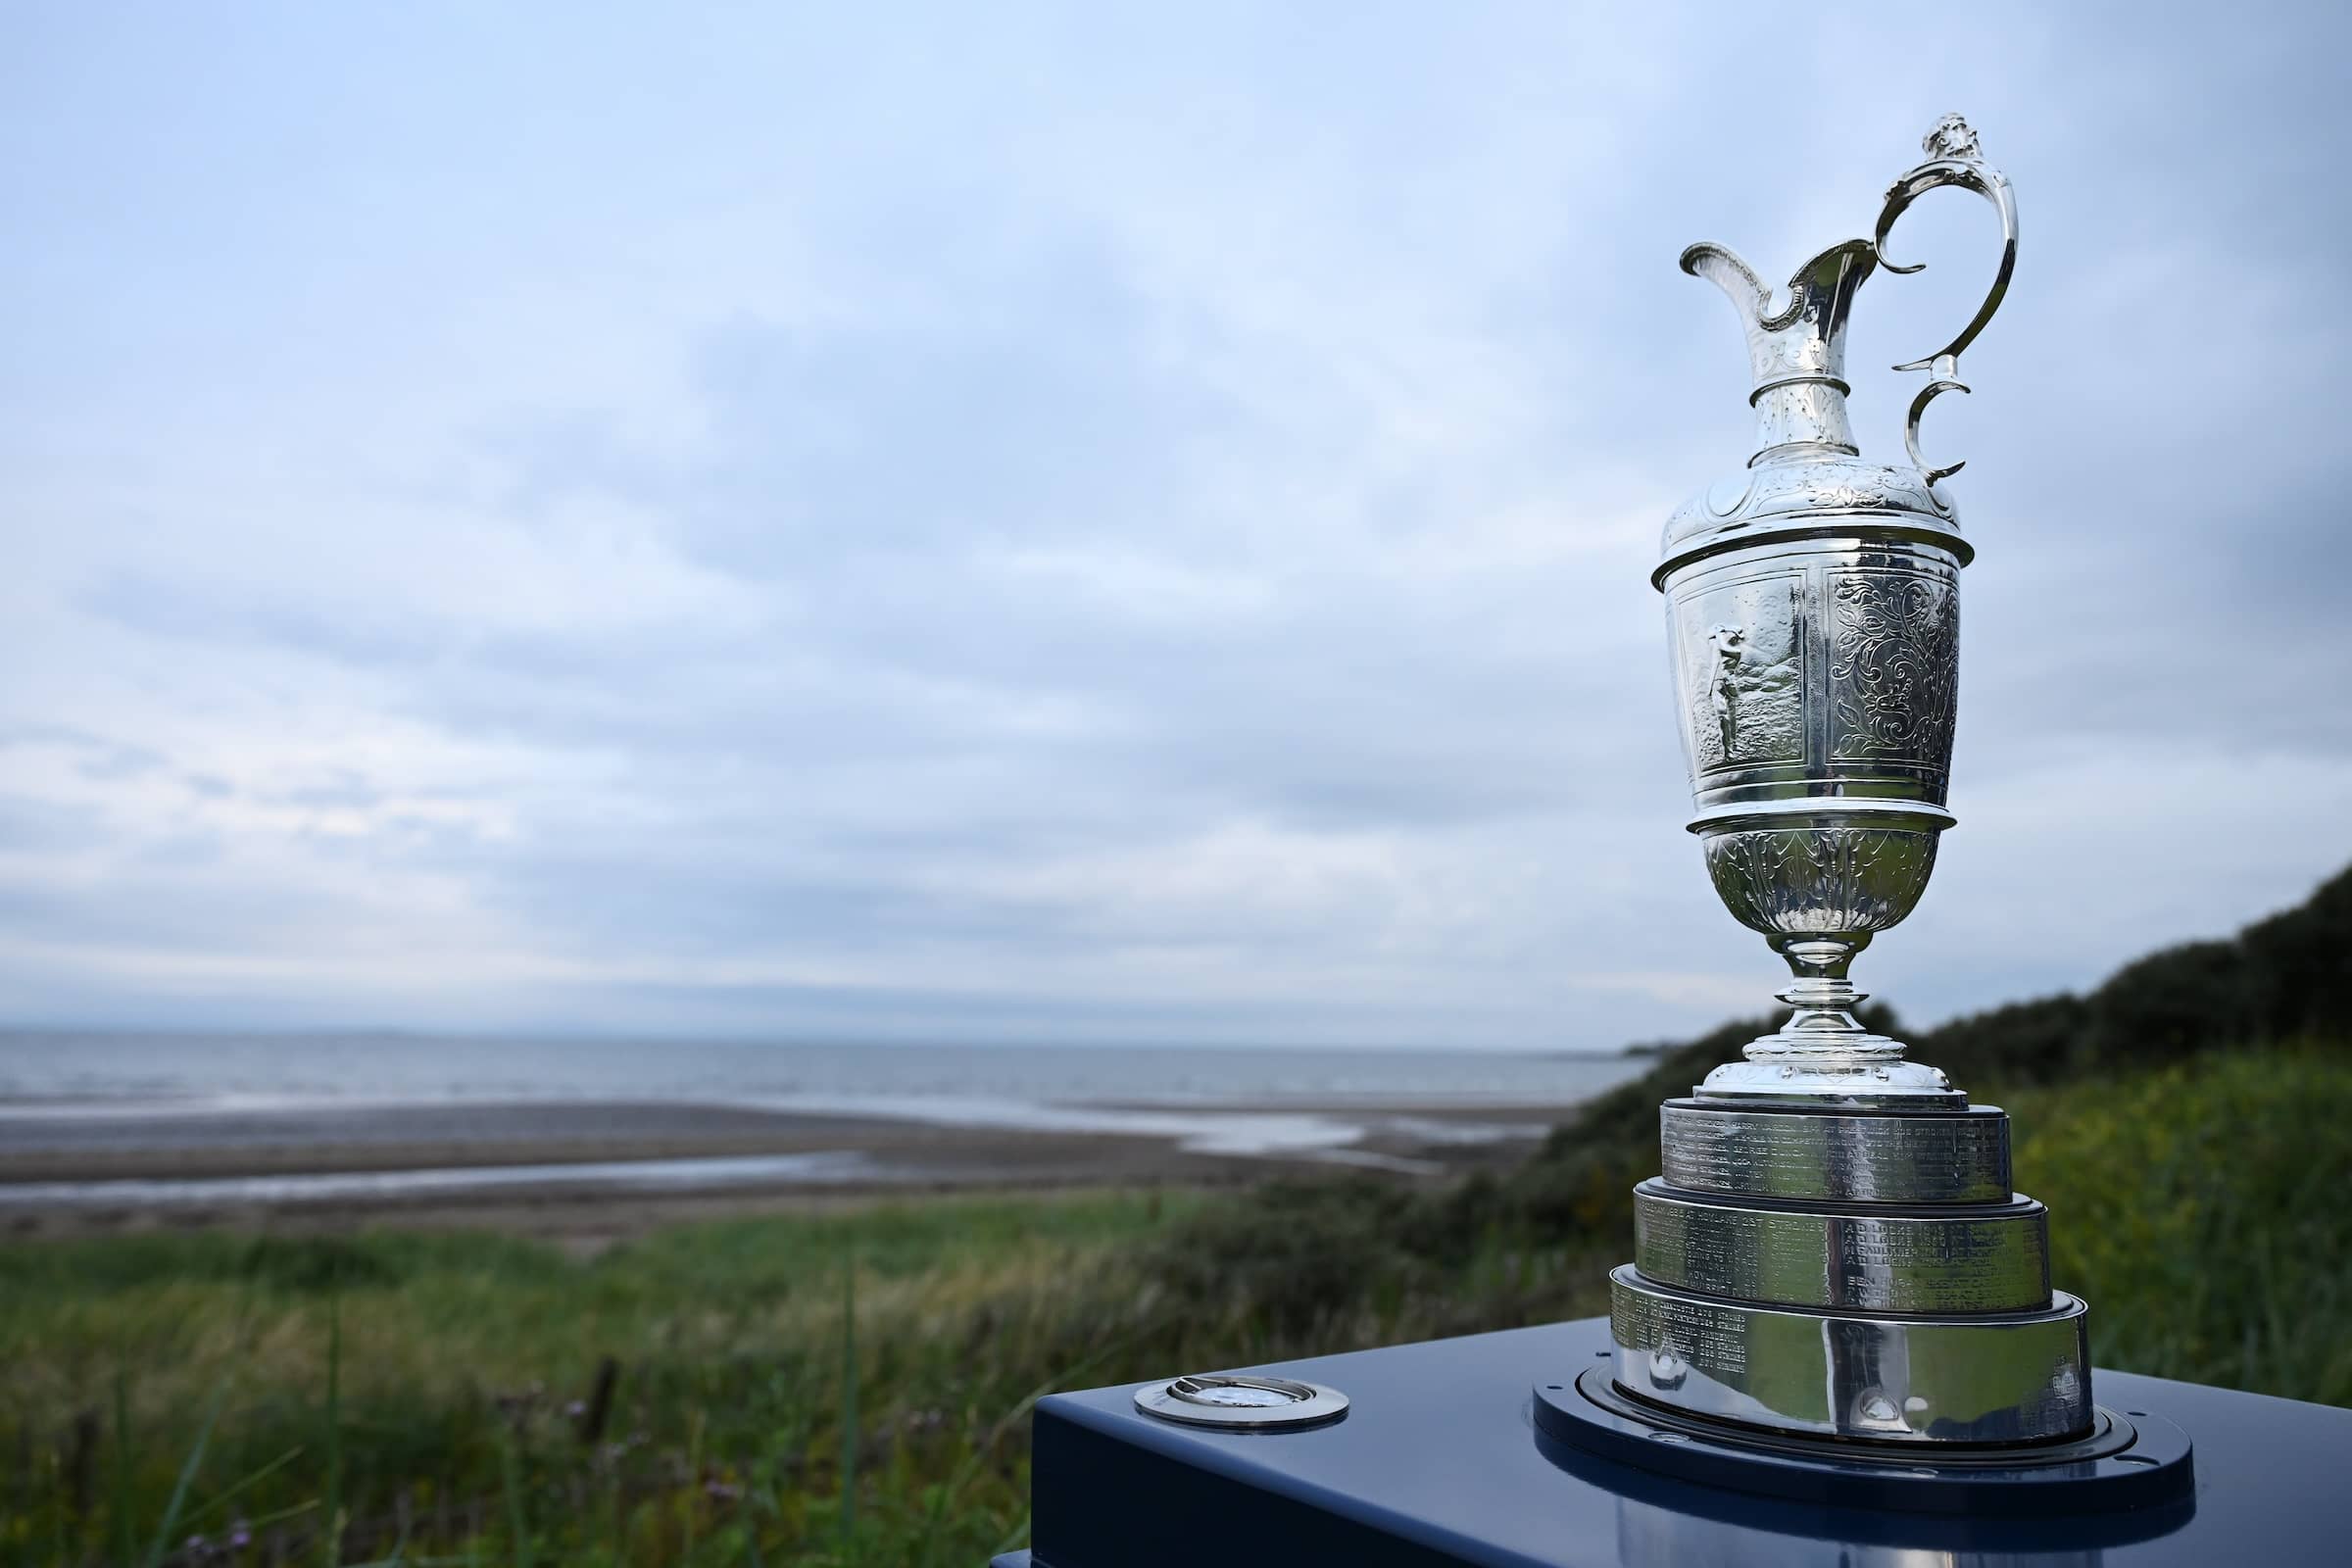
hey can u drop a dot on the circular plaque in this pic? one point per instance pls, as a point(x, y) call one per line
point(1236, 1401)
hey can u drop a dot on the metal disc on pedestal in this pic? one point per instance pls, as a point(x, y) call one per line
point(1238, 1401)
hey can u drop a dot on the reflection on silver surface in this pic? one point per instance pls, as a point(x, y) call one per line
point(1840, 1157)
point(1650, 1536)
point(2018, 1378)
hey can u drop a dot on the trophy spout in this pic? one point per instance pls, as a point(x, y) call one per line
point(1796, 353)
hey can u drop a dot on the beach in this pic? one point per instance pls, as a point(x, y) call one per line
point(584, 1170)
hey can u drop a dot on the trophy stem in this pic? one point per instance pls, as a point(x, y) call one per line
point(1824, 1000)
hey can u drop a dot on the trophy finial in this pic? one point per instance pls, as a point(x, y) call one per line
point(1950, 137)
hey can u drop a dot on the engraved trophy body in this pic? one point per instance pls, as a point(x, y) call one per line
point(1832, 1250)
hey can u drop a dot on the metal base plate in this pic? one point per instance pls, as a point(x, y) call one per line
point(2127, 1462)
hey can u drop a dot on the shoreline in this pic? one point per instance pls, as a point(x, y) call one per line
point(601, 1170)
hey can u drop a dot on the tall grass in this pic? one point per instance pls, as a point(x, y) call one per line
point(849, 1399)
point(447, 1367)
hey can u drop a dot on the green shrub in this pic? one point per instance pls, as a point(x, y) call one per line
point(2198, 1208)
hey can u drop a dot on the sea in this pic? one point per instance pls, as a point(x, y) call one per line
point(247, 1071)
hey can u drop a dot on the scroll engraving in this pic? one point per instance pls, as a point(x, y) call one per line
point(1894, 666)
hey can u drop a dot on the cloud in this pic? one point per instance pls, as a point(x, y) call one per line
point(1100, 529)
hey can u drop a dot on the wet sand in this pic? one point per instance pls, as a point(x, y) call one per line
point(870, 1155)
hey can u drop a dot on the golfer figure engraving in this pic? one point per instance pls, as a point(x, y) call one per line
point(1726, 641)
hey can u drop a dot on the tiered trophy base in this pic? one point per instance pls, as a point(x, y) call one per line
point(1843, 1301)
point(1864, 1275)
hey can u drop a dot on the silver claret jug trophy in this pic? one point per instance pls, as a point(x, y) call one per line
point(1837, 1340)
point(1832, 1251)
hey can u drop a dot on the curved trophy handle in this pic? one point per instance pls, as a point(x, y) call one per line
point(1954, 158)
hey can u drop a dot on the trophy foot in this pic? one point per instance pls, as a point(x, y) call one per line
point(1891, 1083)
point(1823, 1053)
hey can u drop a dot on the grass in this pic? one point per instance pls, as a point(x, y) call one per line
point(852, 1387)
point(2201, 1206)
point(454, 1361)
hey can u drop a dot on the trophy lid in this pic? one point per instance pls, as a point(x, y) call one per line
point(1809, 498)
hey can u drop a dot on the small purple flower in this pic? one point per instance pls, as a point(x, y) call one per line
point(577, 1408)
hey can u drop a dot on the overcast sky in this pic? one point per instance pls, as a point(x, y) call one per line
point(1103, 523)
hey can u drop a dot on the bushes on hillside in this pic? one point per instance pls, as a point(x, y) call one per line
point(1298, 1252)
point(2285, 978)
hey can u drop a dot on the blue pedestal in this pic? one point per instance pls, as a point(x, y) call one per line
point(1437, 1462)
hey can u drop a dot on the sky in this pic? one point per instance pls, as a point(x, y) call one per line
point(1104, 523)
